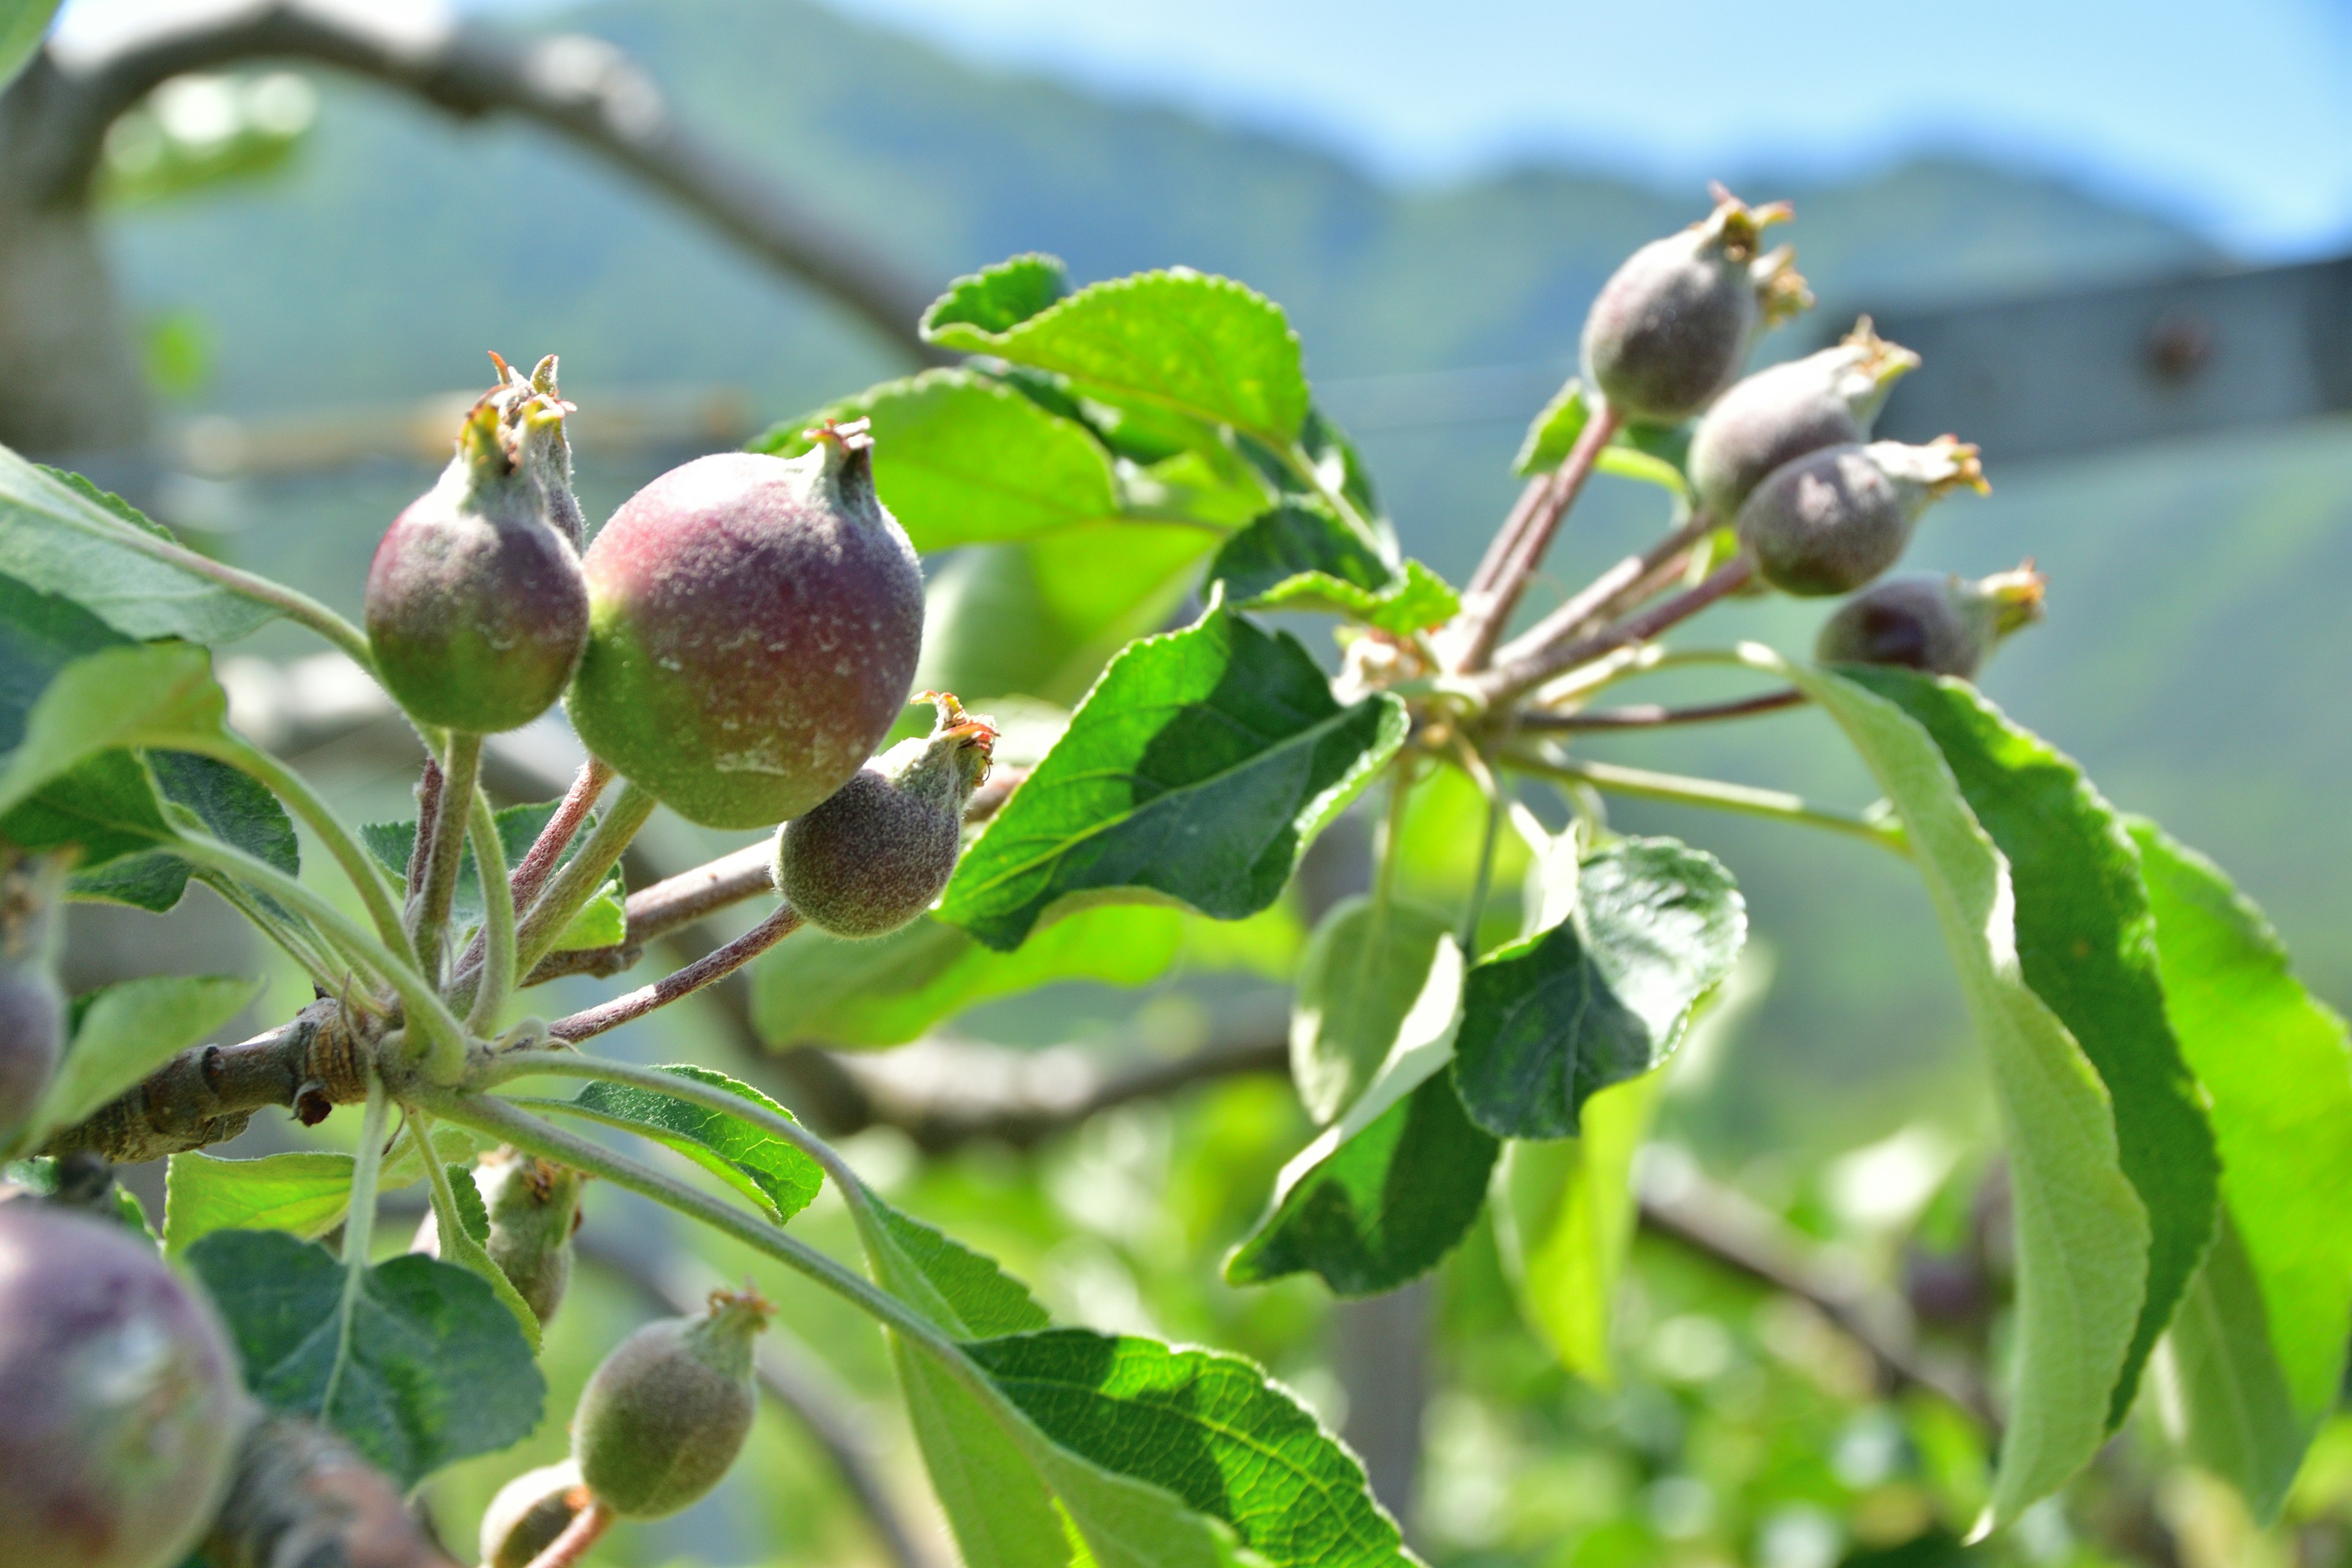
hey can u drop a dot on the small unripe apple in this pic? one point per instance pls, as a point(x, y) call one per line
point(530, 1512)
point(120, 1394)
point(1673, 325)
point(1945, 626)
point(755, 626)
point(477, 611)
point(1834, 519)
point(1784, 411)
point(664, 1416)
point(875, 854)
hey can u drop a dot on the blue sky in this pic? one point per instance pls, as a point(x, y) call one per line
point(2236, 116)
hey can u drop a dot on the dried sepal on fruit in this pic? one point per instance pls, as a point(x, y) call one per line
point(755, 626)
point(122, 1401)
point(530, 1512)
point(1943, 624)
point(477, 610)
point(876, 854)
point(32, 1006)
point(1673, 325)
point(1834, 519)
point(664, 1416)
point(1785, 411)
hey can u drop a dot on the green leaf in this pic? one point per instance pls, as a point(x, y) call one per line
point(2082, 1232)
point(23, 25)
point(40, 633)
point(835, 991)
point(61, 534)
point(1199, 769)
point(1364, 969)
point(1301, 558)
point(304, 1194)
point(2276, 1066)
point(1388, 1190)
point(2218, 1383)
point(1565, 1225)
point(962, 459)
point(965, 1291)
point(461, 1229)
point(107, 804)
point(1210, 1429)
point(999, 298)
point(1196, 345)
point(438, 1370)
point(2086, 940)
point(602, 920)
point(764, 1168)
point(131, 696)
point(1604, 995)
point(128, 1030)
point(232, 806)
point(1562, 420)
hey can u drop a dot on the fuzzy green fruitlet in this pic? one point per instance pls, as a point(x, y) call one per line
point(120, 1395)
point(1781, 413)
point(755, 626)
point(874, 856)
point(664, 1416)
point(530, 1512)
point(477, 610)
point(1673, 325)
point(1834, 519)
point(1945, 626)
point(534, 1208)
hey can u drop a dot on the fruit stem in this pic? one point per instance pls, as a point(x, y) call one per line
point(1505, 682)
point(1485, 621)
point(498, 933)
point(674, 902)
point(443, 845)
point(1714, 794)
point(1649, 715)
point(1607, 592)
point(358, 867)
point(525, 881)
point(1484, 776)
point(710, 968)
point(1498, 549)
point(587, 1528)
point(295, 605)
point(359, 1233)
point(444, 1041)
point(579, 877)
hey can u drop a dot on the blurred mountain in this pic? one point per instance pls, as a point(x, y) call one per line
point(2192, 642)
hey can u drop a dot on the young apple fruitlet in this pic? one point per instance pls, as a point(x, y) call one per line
point(32, 1007)
point(530, 1512)
point(665, 1415)
point(874, 856)
point(533, 1206)
point(1673, 325)
point(1834, 519)
point(477, 610)
point(755, 626)
point(1779, 414)
point(122, 1398)
point(1945, 626)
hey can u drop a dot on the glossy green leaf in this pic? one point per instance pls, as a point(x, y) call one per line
point(964, 1290)
point(1204, 347)
point(23, 25)
point(2086, 940)
point(1301, 558)
point(1384, 1193)
point(1646, 927)
point(1565, 1221)
point(437, 1371)
point(884, 991)
point(60, 534)
point(304, 1194)
point(232, 806)
point(2276, 1066)
point(962, 459)
point(1557, 425)
point(602, 920)
point(771, 1171)
point(126, 1032)
point(997, 298)
point(1199, 769)
point(1210, 1429)
point(2082, 1232)
point(1364, 969)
